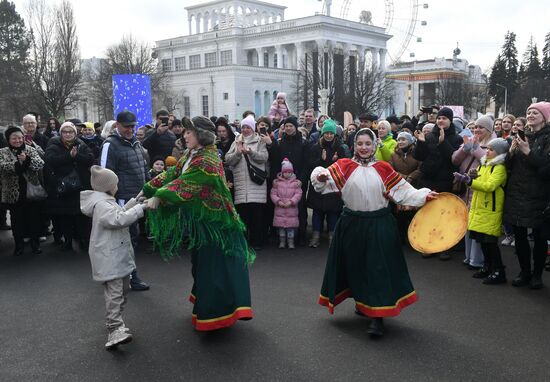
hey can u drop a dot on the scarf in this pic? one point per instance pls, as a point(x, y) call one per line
point(197, 203)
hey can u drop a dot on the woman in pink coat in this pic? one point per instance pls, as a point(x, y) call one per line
point(285, 194)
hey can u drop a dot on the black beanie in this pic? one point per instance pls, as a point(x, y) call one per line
point(446, 112)
point(292, 119)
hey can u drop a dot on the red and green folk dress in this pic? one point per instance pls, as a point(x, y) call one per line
point(196, 206)
point(365, 260)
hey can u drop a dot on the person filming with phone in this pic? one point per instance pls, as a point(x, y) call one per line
point(161, 141)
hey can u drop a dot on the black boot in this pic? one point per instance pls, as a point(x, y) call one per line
point(376, 327)
point(496, 277)
point(136, 283)
point(522, 280)
point(67, 245)
point(482, 273)
point(35, 245)
point(536, 282)
point(18, 251)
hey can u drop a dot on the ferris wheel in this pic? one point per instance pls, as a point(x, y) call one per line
point(398, 18)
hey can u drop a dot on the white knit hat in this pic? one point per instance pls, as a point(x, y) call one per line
point(103, 179)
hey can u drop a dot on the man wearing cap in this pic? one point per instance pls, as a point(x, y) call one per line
point(123, 154)
point(77, 123)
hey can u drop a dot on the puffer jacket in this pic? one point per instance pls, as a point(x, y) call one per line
point(246, 191)
point(487, 204)
point(285, 190)
point(437, 167)
point(12, 174)
point(527, 190)
point(387, 149)
point(111, 252)
point(126, 158)
point(404, 162)
point(466, 160)
point(159, 145)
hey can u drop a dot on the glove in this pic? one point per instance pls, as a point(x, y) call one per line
point(468, 146)
point(463, 178)
point(472, 173)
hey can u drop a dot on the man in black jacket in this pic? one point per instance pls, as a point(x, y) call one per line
point(32, 136)
point(122, 153)
point(161, 141)
point(435, 151)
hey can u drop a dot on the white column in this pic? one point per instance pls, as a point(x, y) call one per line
point(374, 52)
point(279, 49)
point(205, 23)
point(383, 60)
point(260, 52)
point(190, 25)
point(198, 24)
point(300, 55)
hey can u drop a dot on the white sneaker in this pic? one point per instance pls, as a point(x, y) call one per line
point(27, 240)
point(118, 337)
point(42, 239)
point(507, 240)
point(513, 243)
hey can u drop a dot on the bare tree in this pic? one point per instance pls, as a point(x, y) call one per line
point(54, 56)
point(461, 91)
point(362, 89)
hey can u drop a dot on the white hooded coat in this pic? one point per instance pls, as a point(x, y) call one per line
point(111, 252)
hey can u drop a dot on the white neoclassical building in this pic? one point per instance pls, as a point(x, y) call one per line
point(239, 53)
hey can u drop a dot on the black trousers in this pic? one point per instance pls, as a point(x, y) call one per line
point(73, 227)
point(523, 250)
point(252, 215)
point(25, 219)
point(492, 256)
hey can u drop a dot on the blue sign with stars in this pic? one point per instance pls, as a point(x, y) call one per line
point(132, 92)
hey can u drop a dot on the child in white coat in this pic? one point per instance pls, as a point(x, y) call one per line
point(111, 252)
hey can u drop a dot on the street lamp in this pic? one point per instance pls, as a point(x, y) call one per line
point(505, 97)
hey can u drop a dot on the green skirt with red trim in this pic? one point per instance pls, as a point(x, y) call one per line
point(366, 262)
point(221, 289)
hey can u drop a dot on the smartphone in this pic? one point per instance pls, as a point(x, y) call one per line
point(426, 110)
point(164, 120)
point(521, 134)
point(263, 131)
point(28, 137)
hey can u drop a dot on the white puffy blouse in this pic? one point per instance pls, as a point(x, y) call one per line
point(367, 187)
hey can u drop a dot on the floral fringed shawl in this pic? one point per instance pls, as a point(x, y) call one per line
point(196, 204)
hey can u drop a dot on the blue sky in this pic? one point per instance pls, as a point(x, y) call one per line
point(478, 26)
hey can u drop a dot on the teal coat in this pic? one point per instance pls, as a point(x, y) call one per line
point(488, 198)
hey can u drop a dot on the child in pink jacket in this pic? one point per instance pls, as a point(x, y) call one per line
point(279, 108)
point(285, 194)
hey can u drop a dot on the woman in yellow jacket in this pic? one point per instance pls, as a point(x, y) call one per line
point(485, 217)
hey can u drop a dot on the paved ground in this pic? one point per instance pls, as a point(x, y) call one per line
point(51, 326)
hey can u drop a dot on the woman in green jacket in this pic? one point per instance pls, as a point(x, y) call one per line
point(485, 217)
point(386, 144)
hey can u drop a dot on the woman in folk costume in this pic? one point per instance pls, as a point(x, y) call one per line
point(365, 258)
point(192, 200)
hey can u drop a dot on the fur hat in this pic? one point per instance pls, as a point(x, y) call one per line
point(486, 122)
point(281, 94)
point(499, 145)
point(543, 108)
point(249, 121)
point(205, 130)
point(408, 136)
point(329, 126)
point(286, 166)
point(68, 124)
point(103, 179)
point(12, 129)
point(446, 112)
